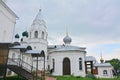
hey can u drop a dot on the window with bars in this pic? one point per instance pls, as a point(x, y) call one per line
point(80, 63)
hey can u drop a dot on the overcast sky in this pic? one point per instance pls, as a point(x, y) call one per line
point(94, 24)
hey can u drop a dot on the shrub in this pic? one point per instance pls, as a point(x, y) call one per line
point(90, 76)
point(118, 77)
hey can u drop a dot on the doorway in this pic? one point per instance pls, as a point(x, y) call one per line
point(66, 66)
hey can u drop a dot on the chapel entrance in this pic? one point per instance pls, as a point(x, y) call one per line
point(66, 66)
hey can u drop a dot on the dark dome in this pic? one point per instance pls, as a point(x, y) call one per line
point(67, 40)
point(17, 36)
point(25, 33)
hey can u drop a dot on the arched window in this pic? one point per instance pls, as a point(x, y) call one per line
point(53, 61)
point(43, 35)
point(29, 48)
point(104, 72)
point(80, 63)
point(36, 34)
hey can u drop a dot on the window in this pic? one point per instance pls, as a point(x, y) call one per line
point(9, 72)
point(43, 35)
point(36, 34)
point(104, 72)
point(53, 60)
point(80, 63)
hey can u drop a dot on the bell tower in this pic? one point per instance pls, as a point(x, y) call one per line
point(38, 34)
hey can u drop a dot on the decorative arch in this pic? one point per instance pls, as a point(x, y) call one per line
point(29, 48)
point(42, 53)
point(36, 34)
point(66, 66)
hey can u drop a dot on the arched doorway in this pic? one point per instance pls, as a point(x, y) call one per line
point(66, 66)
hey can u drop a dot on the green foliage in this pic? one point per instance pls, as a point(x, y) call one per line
point(118, 77)
point(90, 76)
point(115, 63)
point(2, 70)
point(72, 78)
point(63, 78)
point(82, 78)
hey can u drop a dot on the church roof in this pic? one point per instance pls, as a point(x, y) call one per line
point(10, 11)
point(39, 18)
point(33, 51)
point(36, 53)
point(90, 58)
point(5, 43)
point(103, 65)
point(39, 15)
point(19, 47)
point(66, 48)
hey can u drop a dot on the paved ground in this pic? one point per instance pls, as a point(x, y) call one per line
point(50, 78)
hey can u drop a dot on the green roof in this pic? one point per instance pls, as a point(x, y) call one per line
point(17, 36)
point(25, 33)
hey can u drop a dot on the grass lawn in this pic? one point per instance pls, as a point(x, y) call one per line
point(81, 78)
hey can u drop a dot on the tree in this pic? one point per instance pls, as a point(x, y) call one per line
point(115, 63)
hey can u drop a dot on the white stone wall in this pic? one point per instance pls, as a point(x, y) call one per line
point(109, 72)
point(74, 62)
point(7, 23)
point(14, 51)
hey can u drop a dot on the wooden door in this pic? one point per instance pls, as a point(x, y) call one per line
point(66, 66)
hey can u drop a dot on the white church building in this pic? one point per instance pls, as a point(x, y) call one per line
point(60, 60)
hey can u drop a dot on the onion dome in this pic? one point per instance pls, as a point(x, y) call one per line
point(101, 60)
point(17, 36)
point(25, 33)
point(67, 39)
